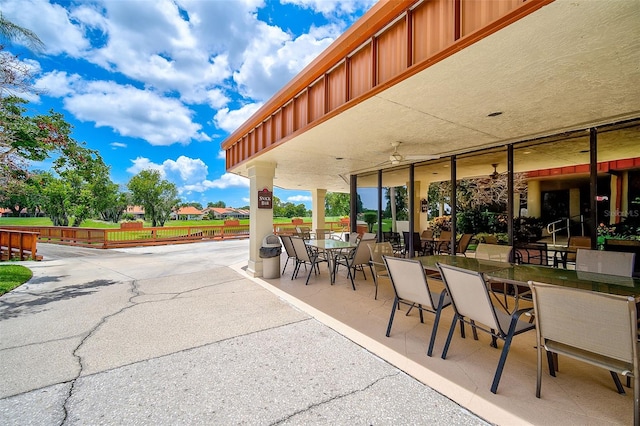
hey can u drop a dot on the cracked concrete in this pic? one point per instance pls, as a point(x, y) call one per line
point(173, 335)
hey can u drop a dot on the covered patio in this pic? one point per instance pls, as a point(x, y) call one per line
point(556, 82)
point(426, 91)
point(579, 395)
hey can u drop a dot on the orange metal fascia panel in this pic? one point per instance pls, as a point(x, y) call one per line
point(377, 17)
point(360, 76)
point(288, 119)
point(582, 168)
point(337, 82)
point(524, 10)
point(433, 28)
point(277, 123)
point(316, 101)
point(392, 52)
point(476, 14)
point(301, 110)
point(268, 132)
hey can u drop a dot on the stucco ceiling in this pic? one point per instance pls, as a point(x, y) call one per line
point(568, 66)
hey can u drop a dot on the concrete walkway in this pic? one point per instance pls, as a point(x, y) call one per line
point(179, 335)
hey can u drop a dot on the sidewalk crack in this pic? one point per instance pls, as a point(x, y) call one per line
point(335, 398)
point(135, 293)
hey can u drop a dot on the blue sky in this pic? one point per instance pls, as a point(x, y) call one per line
point(160, 83)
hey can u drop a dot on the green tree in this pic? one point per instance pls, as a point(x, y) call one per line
point(217, 204)
point(401, 203)
point(336, 204)
point(156, 195)
point(111, 203)
point(56, 199)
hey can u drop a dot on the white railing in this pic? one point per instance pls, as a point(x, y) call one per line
point(554, 227)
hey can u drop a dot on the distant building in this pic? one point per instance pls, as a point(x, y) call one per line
point(227, 213)
point(187, 213)
point(136, 211)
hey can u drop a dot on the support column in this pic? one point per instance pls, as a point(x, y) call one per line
point(574, 202)
point(261, 220)
point(534, 199)
point(317, 207)
point(417, 225)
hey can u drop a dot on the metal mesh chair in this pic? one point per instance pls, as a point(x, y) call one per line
point(305, 255)
point(411, 288)
point(495, 252)
point(472, 304)
point(605, 262)
point(378, 250)
point(597, 328)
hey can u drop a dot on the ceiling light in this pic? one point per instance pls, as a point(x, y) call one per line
point(395, 158)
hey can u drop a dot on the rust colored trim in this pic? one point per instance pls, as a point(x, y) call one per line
point(603, 166)
point(376, 18)
point(409, 36)
point(457, 12)
point(351, 40)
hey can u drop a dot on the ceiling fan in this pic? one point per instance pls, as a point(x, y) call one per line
point(495, 175)
point(396, 158)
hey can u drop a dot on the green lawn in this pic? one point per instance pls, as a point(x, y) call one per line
point(45, 221)
point(11, 276)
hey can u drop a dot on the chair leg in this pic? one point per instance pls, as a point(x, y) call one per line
point(552, 364)
point(450, 335)
point(313, 268)
point(503, 355)
point(396, 303)
point(432, 340)
point(375, 281)
point(616, 381)
point(636, 398)
point(494, 340)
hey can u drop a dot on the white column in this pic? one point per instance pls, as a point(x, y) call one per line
point(317, 208)
point(261, 220)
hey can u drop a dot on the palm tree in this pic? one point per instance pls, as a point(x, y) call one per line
point(13, 32)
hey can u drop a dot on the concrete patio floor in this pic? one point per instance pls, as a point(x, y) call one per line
point(579, 395)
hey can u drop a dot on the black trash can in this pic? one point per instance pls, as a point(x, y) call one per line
point(270, 253)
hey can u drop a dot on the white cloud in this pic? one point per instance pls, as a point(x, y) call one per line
point(182, 171)
point(231, 120)
point(189, 174)
point(299, 198)
point(141, 163)
point(221, 155)
point(188, 169)
point(52, 24)
point(273, 58)
point(116, 145)
point(332, 7)
point(130, 111)
point(58, 83)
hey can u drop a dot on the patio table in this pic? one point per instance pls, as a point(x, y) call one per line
point(331, 248)
point(472, 264)
point(518, 276)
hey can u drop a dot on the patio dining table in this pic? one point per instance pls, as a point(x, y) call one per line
point(520, 275)
point(331, 248)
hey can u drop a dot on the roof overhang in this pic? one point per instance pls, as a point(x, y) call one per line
point(568, 66)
